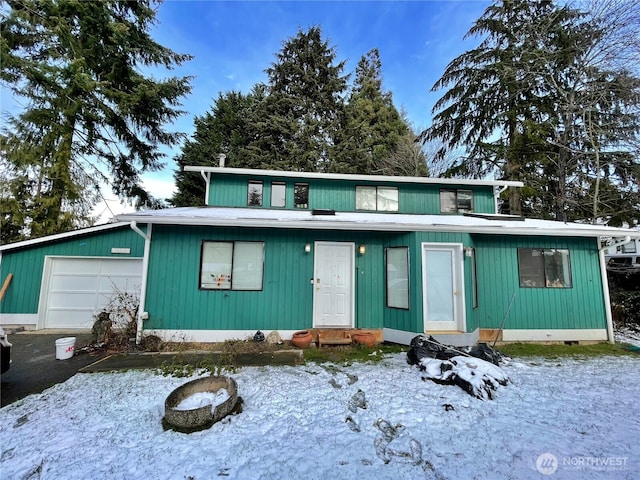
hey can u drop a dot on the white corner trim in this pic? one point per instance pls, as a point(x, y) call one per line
point(398, 336)
point(26, 319)
point(551, 335)
point(456, 339)
point(207, 336)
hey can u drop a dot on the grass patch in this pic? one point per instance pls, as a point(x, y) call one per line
point(563, 350)
point(351, 353)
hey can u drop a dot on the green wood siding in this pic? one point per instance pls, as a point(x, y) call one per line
point(27, 263)
point(286, 301)
point(412, 320)
point(425, 199)
point(339, 195)
point(579, 307)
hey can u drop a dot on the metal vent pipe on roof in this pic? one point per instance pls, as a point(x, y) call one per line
point(221, 158)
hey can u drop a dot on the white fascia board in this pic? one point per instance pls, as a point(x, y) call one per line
point(317, 224)
point(352, 177)
point(62, 236)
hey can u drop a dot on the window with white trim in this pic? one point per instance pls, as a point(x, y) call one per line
point(544, 268)
point(231, 265)
point(397, 260)
point(382, 199)
point(456, 201)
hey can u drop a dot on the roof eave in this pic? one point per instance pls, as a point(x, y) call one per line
point(352, 177)
point(316, 224)
point(61, 236)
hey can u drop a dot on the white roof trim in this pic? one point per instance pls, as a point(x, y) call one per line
point(61, 236)
point(352, 177)
point(303, 219)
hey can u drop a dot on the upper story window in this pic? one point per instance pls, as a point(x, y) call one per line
point(373, 198)
point(278, 194)
point(544, 268)
point(456, 201)
point(301, 195)
point(254, 193)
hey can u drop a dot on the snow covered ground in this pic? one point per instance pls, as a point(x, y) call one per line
point(576, 419)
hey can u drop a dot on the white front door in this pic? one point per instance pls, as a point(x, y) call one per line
point(333, 277)
point(443, 285)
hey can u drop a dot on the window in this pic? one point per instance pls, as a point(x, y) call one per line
point(397, 277)
point(384, 199)
point(544, 268)
point(629, 247)
point(456, 201)
point(254, 193)
point(301, 195)
point(231, 265)
point(278, 194)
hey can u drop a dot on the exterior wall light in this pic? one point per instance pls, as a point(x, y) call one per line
point(362, 249)
point(468, 251)
point(307, 248)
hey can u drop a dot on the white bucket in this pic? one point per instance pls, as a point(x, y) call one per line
point(65, 347)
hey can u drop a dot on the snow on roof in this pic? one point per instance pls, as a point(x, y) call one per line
point(351, 177)
point(328, 220)
point(62, 236)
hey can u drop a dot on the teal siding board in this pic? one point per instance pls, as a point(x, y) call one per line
point(425, 199)
point(579, 307)
point(286, 301)
point(27, 263)
point(339, 195)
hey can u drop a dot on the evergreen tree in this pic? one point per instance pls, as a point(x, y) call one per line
point(295, 126)
point(371, 126)
point(91, 114)
point(223, 130)
point(493, 99)
point(534, 102)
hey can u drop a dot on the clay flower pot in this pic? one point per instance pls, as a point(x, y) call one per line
point(364, 338)
point(301, 339)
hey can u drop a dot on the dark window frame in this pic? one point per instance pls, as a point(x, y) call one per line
point(543, 280)
point(456, 192)
point(305, 186)
point(233, 243)
point(388, 279)
point(260, 198)
point(377, 196)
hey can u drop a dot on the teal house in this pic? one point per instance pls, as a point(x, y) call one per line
point(289, 251)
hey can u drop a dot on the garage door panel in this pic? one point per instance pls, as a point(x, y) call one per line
point(71, 318)
point(78, 288)
point(76, 265)
point(85, 300)
point(123, 284)
point(120, 268)
point(70, 282)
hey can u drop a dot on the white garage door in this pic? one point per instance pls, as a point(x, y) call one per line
point(79, 287)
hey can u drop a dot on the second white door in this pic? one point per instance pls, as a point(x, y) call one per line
point(333, 303)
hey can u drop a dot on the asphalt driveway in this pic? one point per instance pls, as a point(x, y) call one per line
point(34, 367)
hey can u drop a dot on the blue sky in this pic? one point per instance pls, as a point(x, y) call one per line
point(233, 42)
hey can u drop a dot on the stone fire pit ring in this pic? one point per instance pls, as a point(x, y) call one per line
point(192, 420)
